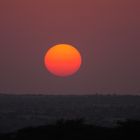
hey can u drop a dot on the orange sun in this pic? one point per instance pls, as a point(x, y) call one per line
point(63, 60)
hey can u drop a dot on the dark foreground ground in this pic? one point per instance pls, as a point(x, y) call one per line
point(35, 117)
point(17, 112)
point(77, 130)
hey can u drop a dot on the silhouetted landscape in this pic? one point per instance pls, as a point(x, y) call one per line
point(68, 117)
point(77, 129)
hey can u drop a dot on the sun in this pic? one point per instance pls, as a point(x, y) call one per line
point(63, 60)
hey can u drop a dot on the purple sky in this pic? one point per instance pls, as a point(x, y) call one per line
point(106, 32)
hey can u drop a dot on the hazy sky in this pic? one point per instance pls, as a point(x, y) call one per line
point(106, 32)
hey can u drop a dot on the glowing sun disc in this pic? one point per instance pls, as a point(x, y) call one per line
point(63, 60)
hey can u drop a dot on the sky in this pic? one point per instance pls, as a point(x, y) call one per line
point(106, 32)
